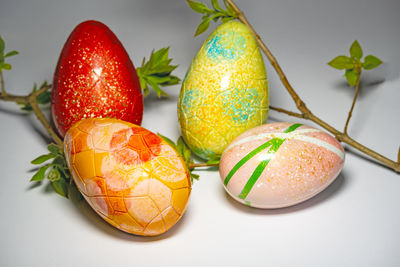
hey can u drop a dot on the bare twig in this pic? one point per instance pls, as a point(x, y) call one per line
point(32, 100)
point(3, 91)
point(288, 112)
point(199, 165)
point(358, 70)
point(301, 106)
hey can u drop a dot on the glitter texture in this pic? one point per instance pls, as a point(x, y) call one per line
point(131, 177)
point(94, 77)
point(225, 90)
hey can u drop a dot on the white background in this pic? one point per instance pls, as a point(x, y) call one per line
point(354, 222)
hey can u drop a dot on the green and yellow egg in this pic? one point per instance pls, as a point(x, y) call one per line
point(225, 91)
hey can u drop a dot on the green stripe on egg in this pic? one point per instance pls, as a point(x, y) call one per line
point(274, 145)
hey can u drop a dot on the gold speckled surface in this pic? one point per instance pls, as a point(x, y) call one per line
point(225, 91)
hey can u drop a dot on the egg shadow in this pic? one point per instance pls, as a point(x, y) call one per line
point(153, 101)
point(92, 218)
point(333, 189)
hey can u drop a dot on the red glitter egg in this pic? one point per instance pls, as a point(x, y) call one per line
point(94, 77)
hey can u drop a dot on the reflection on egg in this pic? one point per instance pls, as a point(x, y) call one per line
point(130, 176)
point(225, 91)
point(280, 164)
point(94, 78)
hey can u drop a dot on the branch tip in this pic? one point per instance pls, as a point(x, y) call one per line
point(301, 106)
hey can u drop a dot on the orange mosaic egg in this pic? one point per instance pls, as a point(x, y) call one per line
point(130, 176)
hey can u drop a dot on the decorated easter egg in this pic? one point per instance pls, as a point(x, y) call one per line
point(280, 164)
point(130, 176)
point(225, 91)
point(94, 77)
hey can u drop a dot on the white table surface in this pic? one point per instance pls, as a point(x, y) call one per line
point(354, 222)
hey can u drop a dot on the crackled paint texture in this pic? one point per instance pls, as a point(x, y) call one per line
point(280, 164)
point(225, 90)
point(130, 176)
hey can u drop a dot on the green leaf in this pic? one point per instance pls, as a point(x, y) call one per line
point(181, 147)
point(225, 19)
point(230, 11)
point(26, 107)
point(160, 56)
point(44, 98)
point(157, 72)
point(351, 77)
point(166, 139)
point(199, 7)
point(54, 149)
point(341, 62)
point(162, 69)
point(42, 158)
point(54, 174)
point(73, 192)
point(43, 84)
point(58, 161)
point(11, 53)
point(215, 159)
point(355, 50)
point(371, 62)
point(143, 83)
point(183, 150)
point(158, 79)
point(172, 81)
point(193, 176)
point(65, 174)
point(156, 88)
point(203, 26)
point(216, 5)
point(2, 45)
point(39, 175)
point(5, 66)
point(61, 187)
point(216, 14)
point(186, 153)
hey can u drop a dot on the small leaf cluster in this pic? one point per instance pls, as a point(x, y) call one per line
point(214, 160)
point(42, 99)
point(157, 72)
point(3, 64)
point(212, 14)
point(56, 171)
point(184, 152)
point(353, 65)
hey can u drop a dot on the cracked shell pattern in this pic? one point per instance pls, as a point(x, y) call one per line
point(130, 176)
point(225, 91)
point(94, 78)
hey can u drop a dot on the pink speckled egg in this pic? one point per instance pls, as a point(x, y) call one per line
point(280, 164)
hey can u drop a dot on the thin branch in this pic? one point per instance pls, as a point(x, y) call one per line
point(354, 101)
point(305, 112)
point(3, 91)
point(198, 165)
point(288, 112)
point(42, 118)
point(32, 100)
